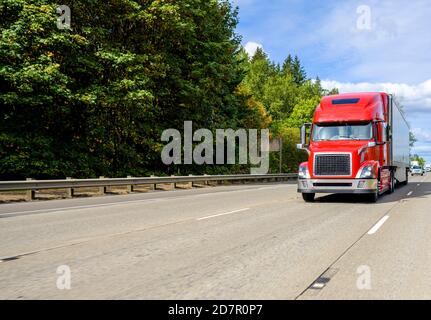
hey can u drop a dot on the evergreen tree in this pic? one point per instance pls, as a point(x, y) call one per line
point(288, 65)
point(259, 55)
point(260, 70)
point(299, 74)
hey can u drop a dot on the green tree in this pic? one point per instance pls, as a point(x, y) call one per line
point(279, 95)
point(298, 72)
point(287, 67)
point(93, 100)
point(302, 112)
point(259, 71)
point(419, 159)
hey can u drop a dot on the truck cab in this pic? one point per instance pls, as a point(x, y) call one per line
point(357, 143)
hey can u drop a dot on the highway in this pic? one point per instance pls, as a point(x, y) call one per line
point(228, 242)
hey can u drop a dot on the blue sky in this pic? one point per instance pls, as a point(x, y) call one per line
point(374, 45)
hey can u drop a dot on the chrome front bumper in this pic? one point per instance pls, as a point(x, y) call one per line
point(337, 185)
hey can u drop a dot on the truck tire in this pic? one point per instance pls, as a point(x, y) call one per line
point(308, 197)
point(373, 197)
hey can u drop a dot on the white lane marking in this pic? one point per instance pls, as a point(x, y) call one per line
point(377, 226)
point(318, 286)
point(78, 207)
point(409, 194)
point(222, 214)
point(6, 214)
point(419, 184)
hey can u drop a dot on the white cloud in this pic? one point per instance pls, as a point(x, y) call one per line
point(422, 135)
point(251, 48)
point(414, 98)
point(423, 149)
point(423, 146)
point(397, 46)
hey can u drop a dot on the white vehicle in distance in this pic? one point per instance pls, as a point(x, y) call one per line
point(414, 163)
point(428, 167)
point(417, 170)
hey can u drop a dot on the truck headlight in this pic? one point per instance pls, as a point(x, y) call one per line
point(303, 172)
point(367, 173)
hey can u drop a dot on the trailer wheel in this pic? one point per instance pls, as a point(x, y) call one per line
point(392, 185)
point(308, 197)
point(406, 182)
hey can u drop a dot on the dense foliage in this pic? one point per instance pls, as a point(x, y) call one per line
point(93, 99)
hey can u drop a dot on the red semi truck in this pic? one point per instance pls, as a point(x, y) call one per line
point(358, 143)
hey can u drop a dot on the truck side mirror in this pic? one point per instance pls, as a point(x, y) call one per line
point(381, 133)
point(304, 144)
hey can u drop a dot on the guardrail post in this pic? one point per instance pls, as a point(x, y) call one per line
point(129, 186)
point(206, 181)
point(102, 190)
point(173, 185)
point(30, 194)
point(153, 186)
point(69, 191)
point(190, 184)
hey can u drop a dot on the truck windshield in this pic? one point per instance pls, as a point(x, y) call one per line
point(347, 131)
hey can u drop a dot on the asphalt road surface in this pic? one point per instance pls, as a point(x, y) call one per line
point(230, 242)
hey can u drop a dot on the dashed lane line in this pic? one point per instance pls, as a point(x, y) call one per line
point(378, 225)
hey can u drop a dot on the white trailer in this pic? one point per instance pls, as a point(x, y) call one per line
point(399, 137)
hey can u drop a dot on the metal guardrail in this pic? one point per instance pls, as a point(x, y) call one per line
point(31, 185)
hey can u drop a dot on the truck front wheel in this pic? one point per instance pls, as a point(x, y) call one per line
point(373, 197)
point(308, 197)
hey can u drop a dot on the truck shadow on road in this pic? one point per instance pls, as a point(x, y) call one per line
point(401, 192)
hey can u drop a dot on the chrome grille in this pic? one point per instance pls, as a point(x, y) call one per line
point(332, 165)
